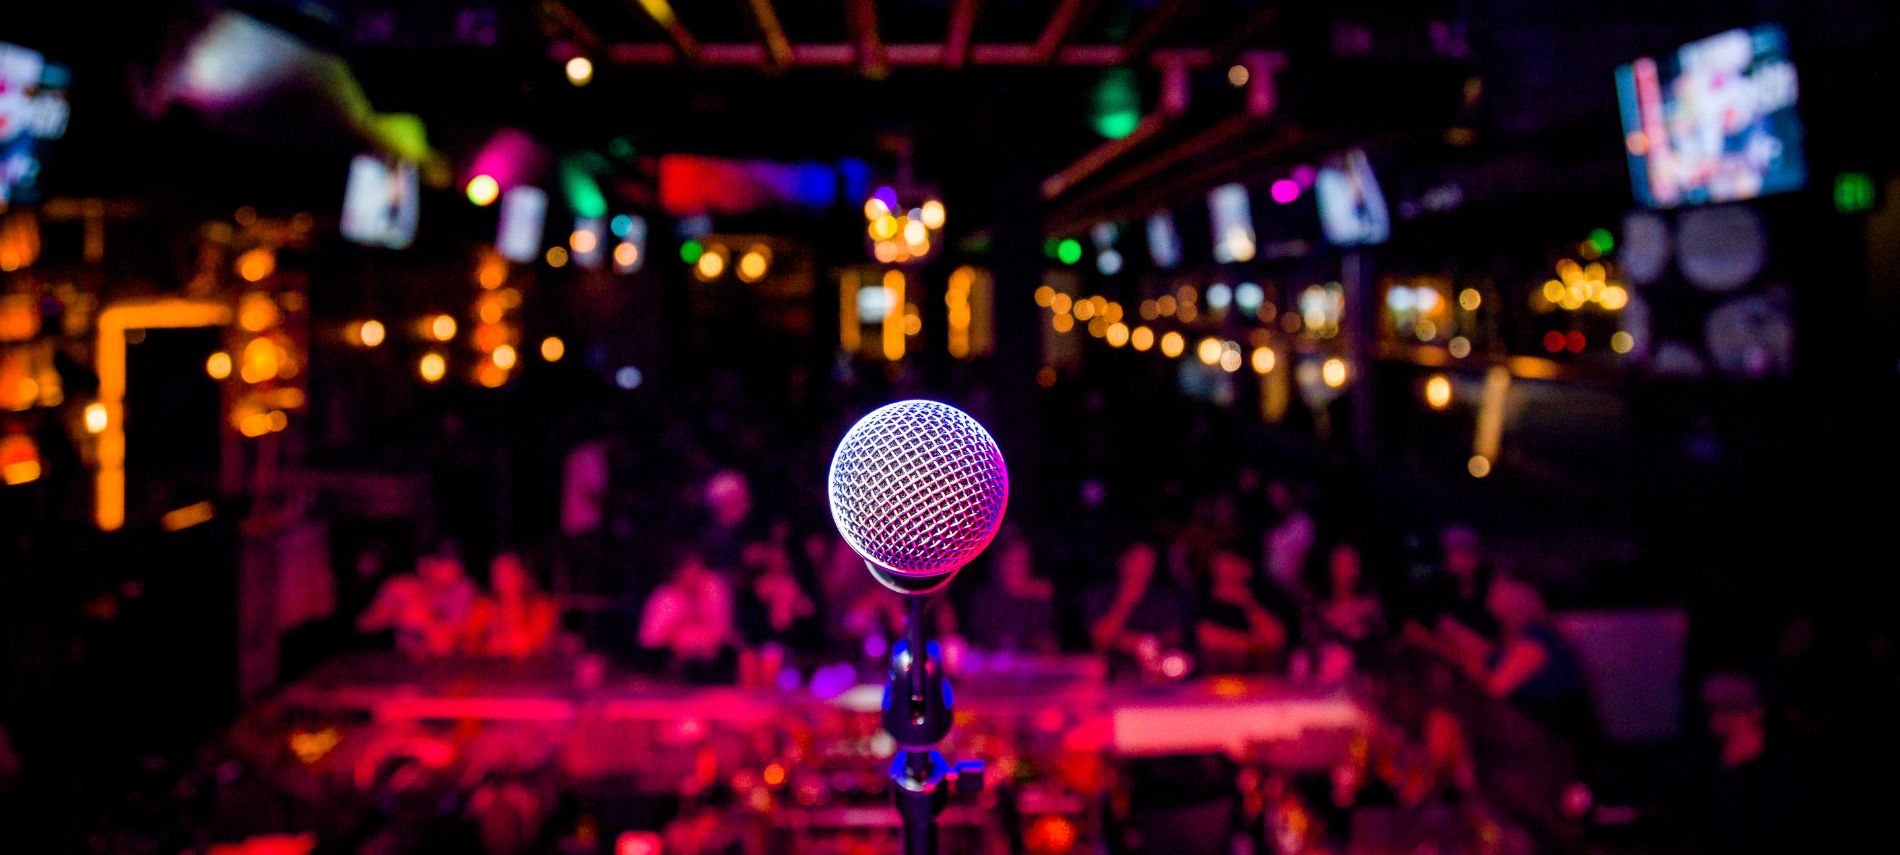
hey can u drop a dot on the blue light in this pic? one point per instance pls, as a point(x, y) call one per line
point(628, 378)
point(621, 224)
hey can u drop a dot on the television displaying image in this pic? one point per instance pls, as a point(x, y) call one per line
point(379, 202)
point(524, 214)
point(1232, 216)
point(1351, 208)
point(1715, 122)
point(32, 109)
point(1164, 243)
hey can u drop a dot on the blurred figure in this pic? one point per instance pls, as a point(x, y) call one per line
point(1287, 544)
point(1347, 611)
point(1015, 609)
point(774, 607)
point(1531, 664)
point(1236, 632)
point(514, 621)
point(689, 620)
point(1452, 618)
point(428, 609)
point(728, 500)
point(1137, 615)
point(1756, 789)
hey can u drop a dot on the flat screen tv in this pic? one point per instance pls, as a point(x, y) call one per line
point(1715, 121)
point(379, 202)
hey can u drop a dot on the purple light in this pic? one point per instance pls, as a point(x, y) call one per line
point(886, 195)
point(1305, 175)
point(1285, 190)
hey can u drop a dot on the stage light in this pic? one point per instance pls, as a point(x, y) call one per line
point(442, 327)
point(1069, 251)
point(504, 357)
point(557, 257)
point(483, 190)
point(1469, 299)
point(261, 361)
point(1333, 372)
point(754, 263)
point(1141, 338)
point(432, 367)
point(711, 263)
point(95, 418)
point(1285, 191)
point(1479, 466)
point(1438, 391)
point(932, 214)
point(1237, 75)
point(255, 264)
point(1622, 342)
point(1264, 360)
point(218, 365)
point(580, 71)
point(553, 348)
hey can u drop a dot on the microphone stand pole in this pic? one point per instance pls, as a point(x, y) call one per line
point(917, 715)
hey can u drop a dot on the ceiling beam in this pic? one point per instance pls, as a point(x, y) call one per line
point(1256, 25)
point(956, 39)
point(863, 16)
point(771, 32)
point(1061, 21)
point(1158, 25)
point(662, 13)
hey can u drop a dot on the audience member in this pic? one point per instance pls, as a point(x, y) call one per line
point(688, 619)
point(773, 607)
point(1015, 609)
point(514, 620)
point(1347, 611)
point(1236, 631)
point(428, 609)
point(1137, 615)
point(1531, 664)
point(1755, 788)
point(1289, 541)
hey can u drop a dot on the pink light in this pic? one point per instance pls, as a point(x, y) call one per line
point(1304, 175)
point(1285, 191)
point(637, 843)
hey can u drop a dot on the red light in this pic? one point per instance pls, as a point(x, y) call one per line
point(637, 843)
point(1575, 342)
point(1553, 341)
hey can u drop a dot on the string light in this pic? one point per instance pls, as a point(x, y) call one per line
point(1438, 391)
point(580, 71)
point(552, 348)
point(432, 367)
point(370, 333)
point(483, 190)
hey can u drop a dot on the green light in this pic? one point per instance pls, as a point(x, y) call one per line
point(1853, 192)
point(1070, 251)
point(690, 252)
point(1603, 239)
point(583, 192)
point(1050, 246)
point(1117, 104)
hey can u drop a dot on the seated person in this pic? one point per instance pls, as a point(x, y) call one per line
point(1347, 611)
point(689, 619)
point(1015, 609)
point(1453, 618)
point(515, 621)
point(1531, 664)
point(428, 609)
point(1236, 631)
point(773, 606)
point(1136, 616)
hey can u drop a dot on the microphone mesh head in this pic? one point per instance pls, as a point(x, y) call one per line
point(918, 488)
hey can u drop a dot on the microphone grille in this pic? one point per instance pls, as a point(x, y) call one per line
point(918, 488)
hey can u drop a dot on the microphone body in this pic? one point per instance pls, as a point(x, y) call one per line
point(918, 489)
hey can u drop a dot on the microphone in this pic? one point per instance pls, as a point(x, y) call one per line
point(917, 489)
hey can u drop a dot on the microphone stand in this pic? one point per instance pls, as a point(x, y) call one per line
point(917, 715)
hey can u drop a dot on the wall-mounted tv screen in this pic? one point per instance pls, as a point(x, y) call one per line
point(1164, 243)
point(1715, 122)
point(32, 108)
point(1351, 208)
point(1232, 216)
point(379, 202)
point(524, 214)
